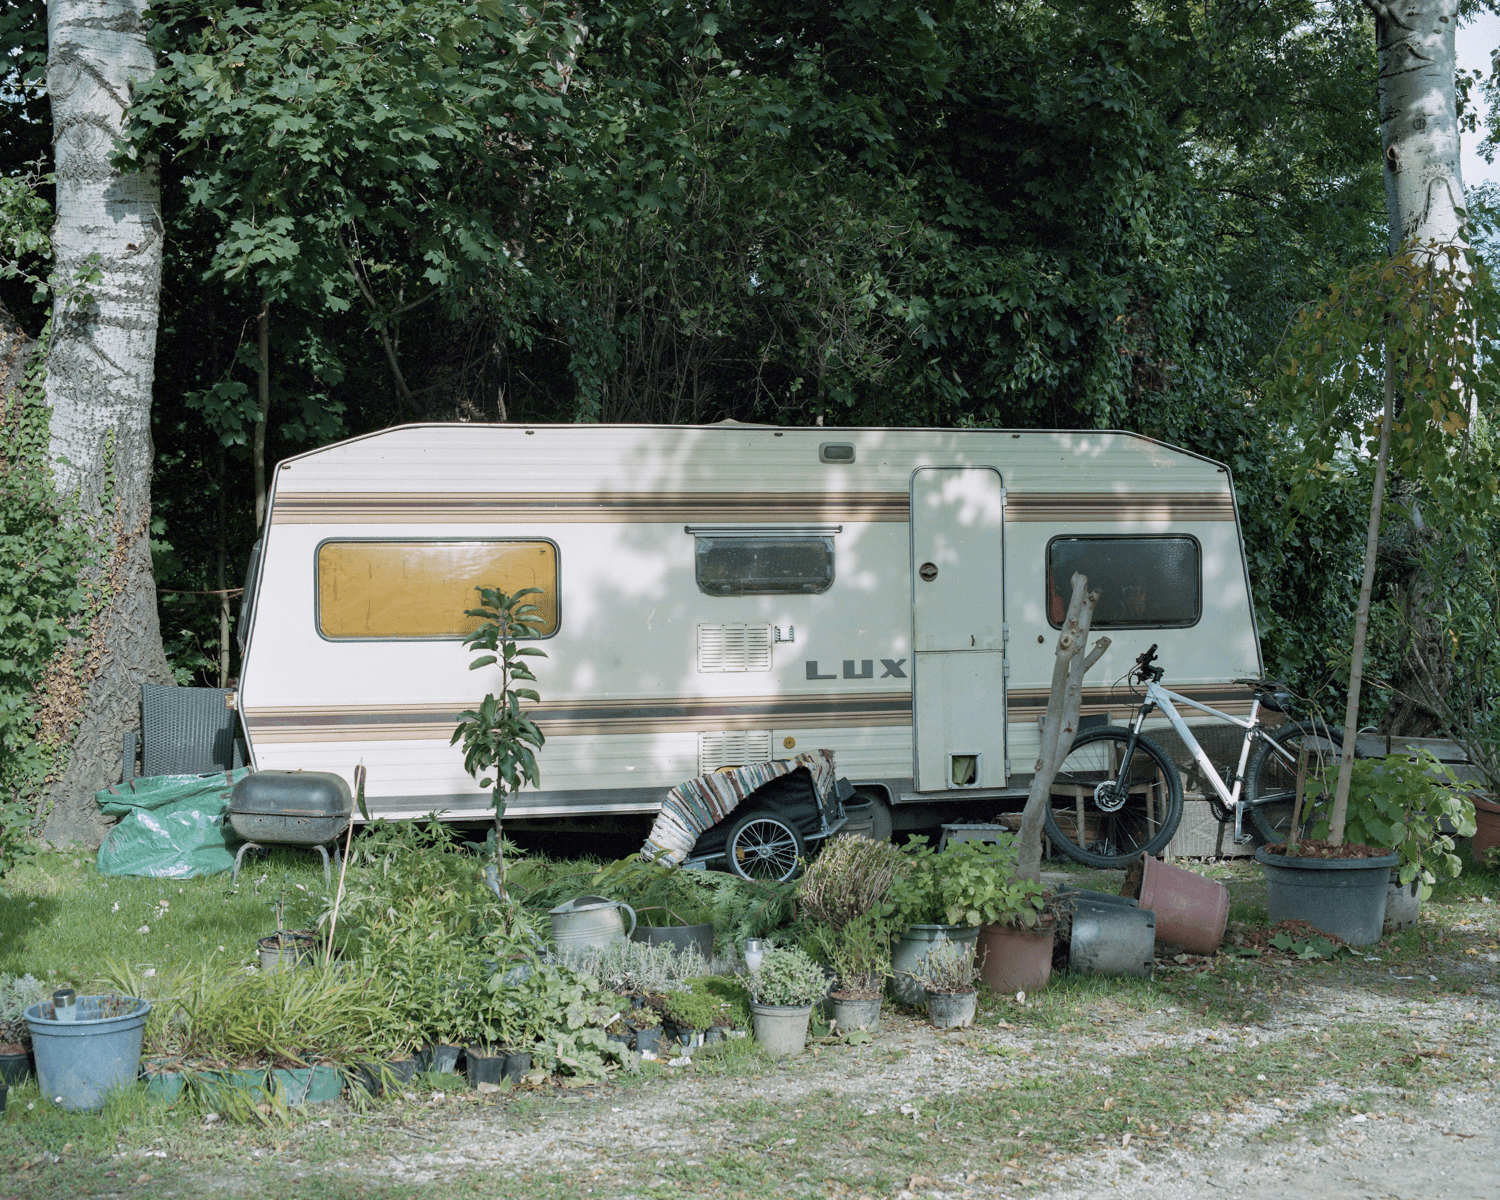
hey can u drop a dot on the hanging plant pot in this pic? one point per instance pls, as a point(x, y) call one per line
point(781, 1029)
point(861, 1012)
point(911, 949)
point(1487, 826)
point(1014, 958)
point(78, 1061)
point(1191, 911)
point(952, 1010)
point(1403, 905)
point(1344, 897)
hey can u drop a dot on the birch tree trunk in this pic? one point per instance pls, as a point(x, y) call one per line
point(99, 372)
point(1424, 192)
point(1424, 200)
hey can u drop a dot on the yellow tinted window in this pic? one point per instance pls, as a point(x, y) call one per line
point(421, 589)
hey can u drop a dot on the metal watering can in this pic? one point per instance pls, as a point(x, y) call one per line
point(589, 923)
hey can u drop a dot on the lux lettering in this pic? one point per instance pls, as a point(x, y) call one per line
point(866, 670)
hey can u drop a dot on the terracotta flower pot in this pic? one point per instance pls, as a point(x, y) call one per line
point(1013, 959)
point(1487, 819)
point(1191, 911)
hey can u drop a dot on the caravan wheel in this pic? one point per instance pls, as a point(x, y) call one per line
point(760, 846)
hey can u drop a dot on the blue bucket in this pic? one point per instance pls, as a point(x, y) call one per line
point(78, 1061)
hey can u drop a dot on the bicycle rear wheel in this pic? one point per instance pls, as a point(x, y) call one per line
point(1311, 750)
point(1104, 816)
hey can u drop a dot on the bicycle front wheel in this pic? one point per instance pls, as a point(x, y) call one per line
point(1103, 814)
point(1271, 777)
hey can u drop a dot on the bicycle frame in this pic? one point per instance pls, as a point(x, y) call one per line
point(1162, 698)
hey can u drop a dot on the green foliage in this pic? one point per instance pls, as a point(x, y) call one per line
point(44, 550)
point(1401, 803)
point(709, 1001)
point(558, 1014)
point(968, 883)
point(638, 969)
point(787, 977)
point(981, 887)
point(497, 736)
point(859, 952)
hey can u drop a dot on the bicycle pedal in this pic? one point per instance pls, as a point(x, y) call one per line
point(1243, 840)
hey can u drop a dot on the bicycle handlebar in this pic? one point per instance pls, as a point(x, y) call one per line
point(1144, 669)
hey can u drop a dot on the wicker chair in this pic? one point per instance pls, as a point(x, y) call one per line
point(184, 731)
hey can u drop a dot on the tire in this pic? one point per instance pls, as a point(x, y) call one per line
point(880, 815)
point(1115, 833)
point(1271, 781)
point(763, 847)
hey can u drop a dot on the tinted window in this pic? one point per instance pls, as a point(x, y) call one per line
point(1143, 582)
point(745, 566)
point(420, 589)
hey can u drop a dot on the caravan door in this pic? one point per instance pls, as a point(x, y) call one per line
point(958, 628)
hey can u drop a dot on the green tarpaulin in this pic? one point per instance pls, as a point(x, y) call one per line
point(171, 826)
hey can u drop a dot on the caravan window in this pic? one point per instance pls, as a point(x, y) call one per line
point(1143, 582)
point(769, 564)
point(391, 589)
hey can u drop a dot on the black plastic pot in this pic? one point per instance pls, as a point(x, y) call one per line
point(516, 1066)
point(1110, 938)
point(404, 1070)
point(485, 1064)
point(440, 1058)
point(648, 1040)
point(682, 937)
point(1344, 897)
point(14, 1068)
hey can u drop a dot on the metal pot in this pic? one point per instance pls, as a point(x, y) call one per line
point(590, 923)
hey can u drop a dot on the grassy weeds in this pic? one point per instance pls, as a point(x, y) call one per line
point(61, 919)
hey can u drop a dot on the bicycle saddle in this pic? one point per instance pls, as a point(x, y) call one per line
point(1273, 694)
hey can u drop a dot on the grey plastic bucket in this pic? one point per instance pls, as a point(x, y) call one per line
point(912, 947)
point(78, 1061)
point(1341, 896)
point(1111, 938)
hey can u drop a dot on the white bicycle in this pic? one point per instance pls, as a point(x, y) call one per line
point(1118, 796)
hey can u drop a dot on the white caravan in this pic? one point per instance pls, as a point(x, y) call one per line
point(727, 594)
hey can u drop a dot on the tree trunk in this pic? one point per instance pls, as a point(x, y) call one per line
point(1424, 192)
point(1063, 704)
point(99, 372)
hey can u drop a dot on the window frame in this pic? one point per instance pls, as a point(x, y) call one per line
point(418, 637)
point(790, 532)
point(1121, 537)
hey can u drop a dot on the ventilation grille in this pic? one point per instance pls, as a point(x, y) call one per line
point(734, 648)
point(736, 749)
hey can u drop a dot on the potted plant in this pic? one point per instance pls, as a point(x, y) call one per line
point(1402, 803)
point(983, 887)
point(17, 993)
point(782, 995)
point(947, 975)
point(859, 954)
point(918, 904)
point(645, 1022)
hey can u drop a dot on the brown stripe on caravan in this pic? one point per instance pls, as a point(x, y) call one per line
point(453, 508)
point(1082, 506)
point(582, 718)
point(1024, 703)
